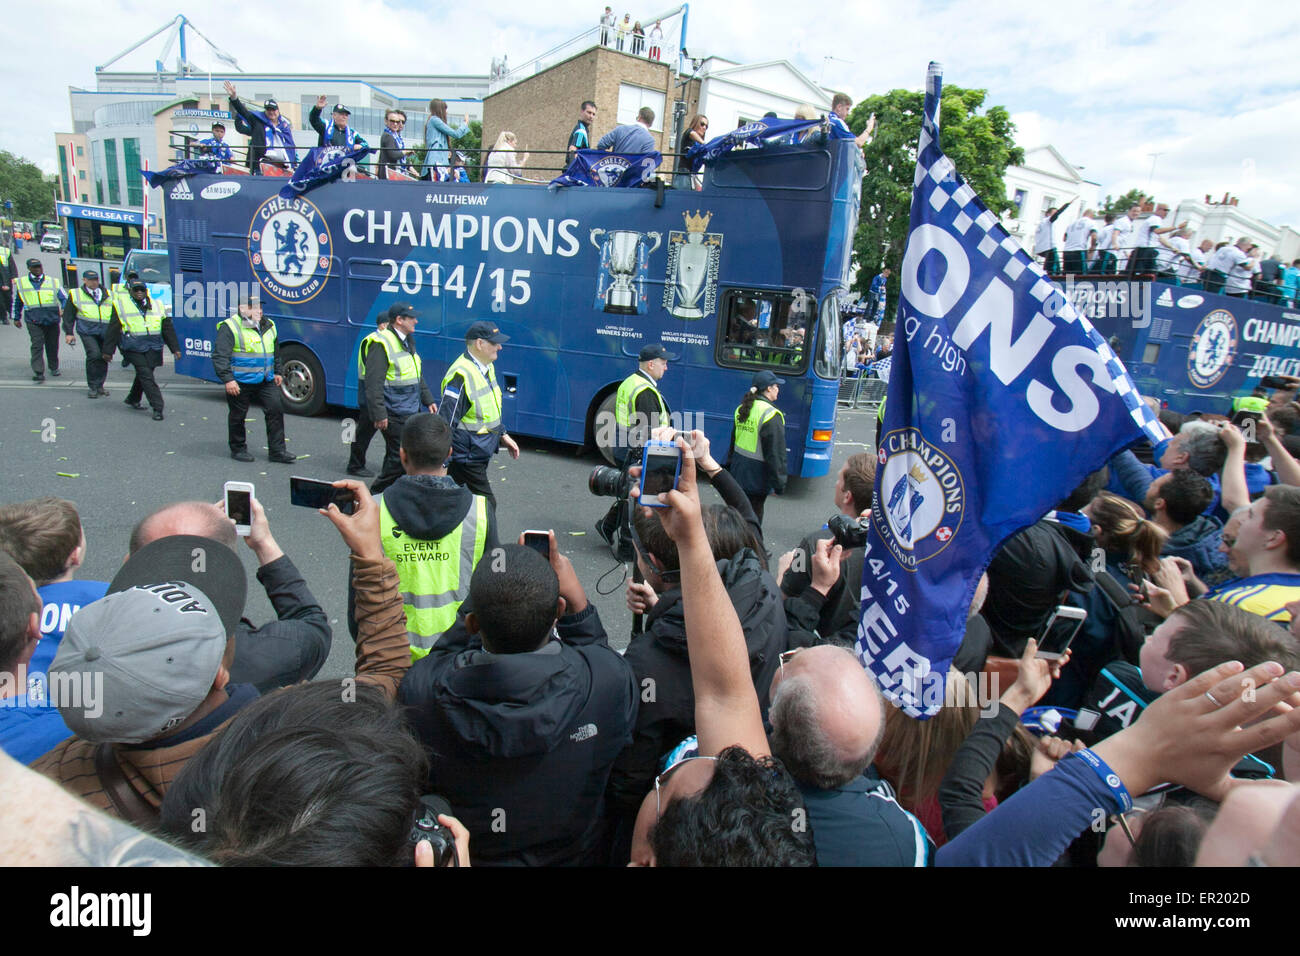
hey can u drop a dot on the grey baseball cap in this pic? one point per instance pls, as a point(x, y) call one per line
point(144, 658)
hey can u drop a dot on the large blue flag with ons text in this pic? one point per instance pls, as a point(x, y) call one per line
point(1001, 399)
point(595, 167)
point(321, 165)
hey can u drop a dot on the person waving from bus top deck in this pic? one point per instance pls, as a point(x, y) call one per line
point(471, 405)
point(271, 135)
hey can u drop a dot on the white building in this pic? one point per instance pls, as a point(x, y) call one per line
point(1045, 180)
point(733, 93)
point(1226, 222)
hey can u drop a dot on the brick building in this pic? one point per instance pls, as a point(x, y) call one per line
point(542, 109)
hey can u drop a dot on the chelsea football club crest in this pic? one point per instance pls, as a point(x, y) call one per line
point(920, 497)
point(289, 248)
point(1212, 349)
point(610, 169)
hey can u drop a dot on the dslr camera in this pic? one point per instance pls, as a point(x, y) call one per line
point(607, 482)
point(425, 826)
point(849, 532)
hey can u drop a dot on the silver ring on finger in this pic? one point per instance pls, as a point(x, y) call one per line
point(1213, 699)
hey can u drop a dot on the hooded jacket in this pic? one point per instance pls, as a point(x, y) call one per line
point(1029, 576)
point(521, 744)
point(428, 507)
point(659, 656)
point(1198, 542)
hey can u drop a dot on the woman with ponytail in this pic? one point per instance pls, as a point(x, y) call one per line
point(757, 459)
point(1128, 550)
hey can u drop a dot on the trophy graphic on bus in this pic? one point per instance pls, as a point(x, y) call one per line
point(623, 258)
point(693, 256)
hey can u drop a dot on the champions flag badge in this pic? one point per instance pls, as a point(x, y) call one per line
point(321, 165)
point(1001, 399)
point(595, 167)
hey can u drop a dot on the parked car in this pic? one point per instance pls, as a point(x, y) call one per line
point(51, 242)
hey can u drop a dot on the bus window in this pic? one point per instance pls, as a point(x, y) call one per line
point(763, 329)
point(829, 355)
point(1151, 354)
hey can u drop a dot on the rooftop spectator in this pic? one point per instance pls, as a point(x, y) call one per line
point(339, 132)
point(631, 137)
point(438, 133)
point(270, 134)
point(504, 165)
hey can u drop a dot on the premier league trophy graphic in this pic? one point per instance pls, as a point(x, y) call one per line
point(693, 262)
point(623, 251)
point(904, 499)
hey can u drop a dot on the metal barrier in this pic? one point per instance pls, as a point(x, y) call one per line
point(861, 392)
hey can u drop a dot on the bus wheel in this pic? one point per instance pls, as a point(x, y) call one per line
point(601, 435)
point(304, 381)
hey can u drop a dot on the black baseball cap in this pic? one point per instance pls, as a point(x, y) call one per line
point(766, 379)
point(399, 309)
point(486, 330)
point(90, 274)
point(137, 284)
point(340, 108)
point(218, 125)
point(204, 562)
point(270, 105)
point(651, 352)
point(35, 264)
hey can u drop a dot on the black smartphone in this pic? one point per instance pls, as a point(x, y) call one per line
point(313, 493)
point(539, 541)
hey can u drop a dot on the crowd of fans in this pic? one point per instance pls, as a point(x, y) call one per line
point(1142, 242)
point(738, 727)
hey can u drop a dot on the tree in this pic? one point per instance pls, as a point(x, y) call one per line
point(22, 184)
point(981, 145)
point(1134, 197)
point(472, 146)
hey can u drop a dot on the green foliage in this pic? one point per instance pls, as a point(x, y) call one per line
point(472, 145)
point(980, 142)
point(1134, 197)
point(21, 183)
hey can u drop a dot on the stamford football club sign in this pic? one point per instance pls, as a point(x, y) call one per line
point(289, 248)
point(1002, 397)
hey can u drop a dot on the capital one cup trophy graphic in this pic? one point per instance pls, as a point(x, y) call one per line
point(622, 250)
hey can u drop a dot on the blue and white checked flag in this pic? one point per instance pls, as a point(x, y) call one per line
point(321, 165)
point(1001, 399)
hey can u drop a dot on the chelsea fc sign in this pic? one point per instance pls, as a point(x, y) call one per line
point(289, 248)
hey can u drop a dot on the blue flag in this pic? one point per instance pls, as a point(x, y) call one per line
point(751, 134)
point(1001, 399)
point(595, 167)
point(321, 165)
point(184, 168)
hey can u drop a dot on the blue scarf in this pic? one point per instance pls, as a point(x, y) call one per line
point(401, 145)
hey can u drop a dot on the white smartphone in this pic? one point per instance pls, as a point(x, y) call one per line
point(1059, 631)
point(239, 505)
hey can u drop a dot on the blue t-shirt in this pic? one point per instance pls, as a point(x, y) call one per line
point(29, 730)
point(62, 600)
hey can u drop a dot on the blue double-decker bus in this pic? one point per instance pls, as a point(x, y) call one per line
point(743, 275)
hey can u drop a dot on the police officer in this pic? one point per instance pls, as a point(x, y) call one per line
point(89, 311)
point(638, 407)
point(41, 298)
point(757, 459)
point(395, 387)
point(142, 329)
point(471, 405)
point(8, 277)
point(365, 427)
point(246, 359)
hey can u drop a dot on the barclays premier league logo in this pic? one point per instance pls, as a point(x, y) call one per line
point(1213, 347)
point(921, 497)
point(610, 169)
point(289, 248)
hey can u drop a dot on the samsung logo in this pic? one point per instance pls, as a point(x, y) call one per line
point(219, 190)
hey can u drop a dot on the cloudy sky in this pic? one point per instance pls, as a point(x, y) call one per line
point(1212, 87)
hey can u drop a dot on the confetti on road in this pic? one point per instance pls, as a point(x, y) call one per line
point(65, 474)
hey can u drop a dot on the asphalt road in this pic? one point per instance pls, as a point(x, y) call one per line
point(117, 465)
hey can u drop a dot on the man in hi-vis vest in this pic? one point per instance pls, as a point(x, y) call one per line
point(89, 311)
point(39, 299)
point(434, 530)
point(395, 387)
point(246, 358)
point(142, 329)
point(471, 405)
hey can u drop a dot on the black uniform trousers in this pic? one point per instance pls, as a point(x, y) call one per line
point(361, 444)
point(144, 363)
point(268, 395)
point(473, 475)
point(45, 341)
point(391, 469)
point(96, 364)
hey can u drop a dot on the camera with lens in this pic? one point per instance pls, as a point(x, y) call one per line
point(425, 826)
point(607, 482)
point(849, 532)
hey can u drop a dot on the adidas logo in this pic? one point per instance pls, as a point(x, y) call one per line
point(1165, 298)
point(182, 191)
